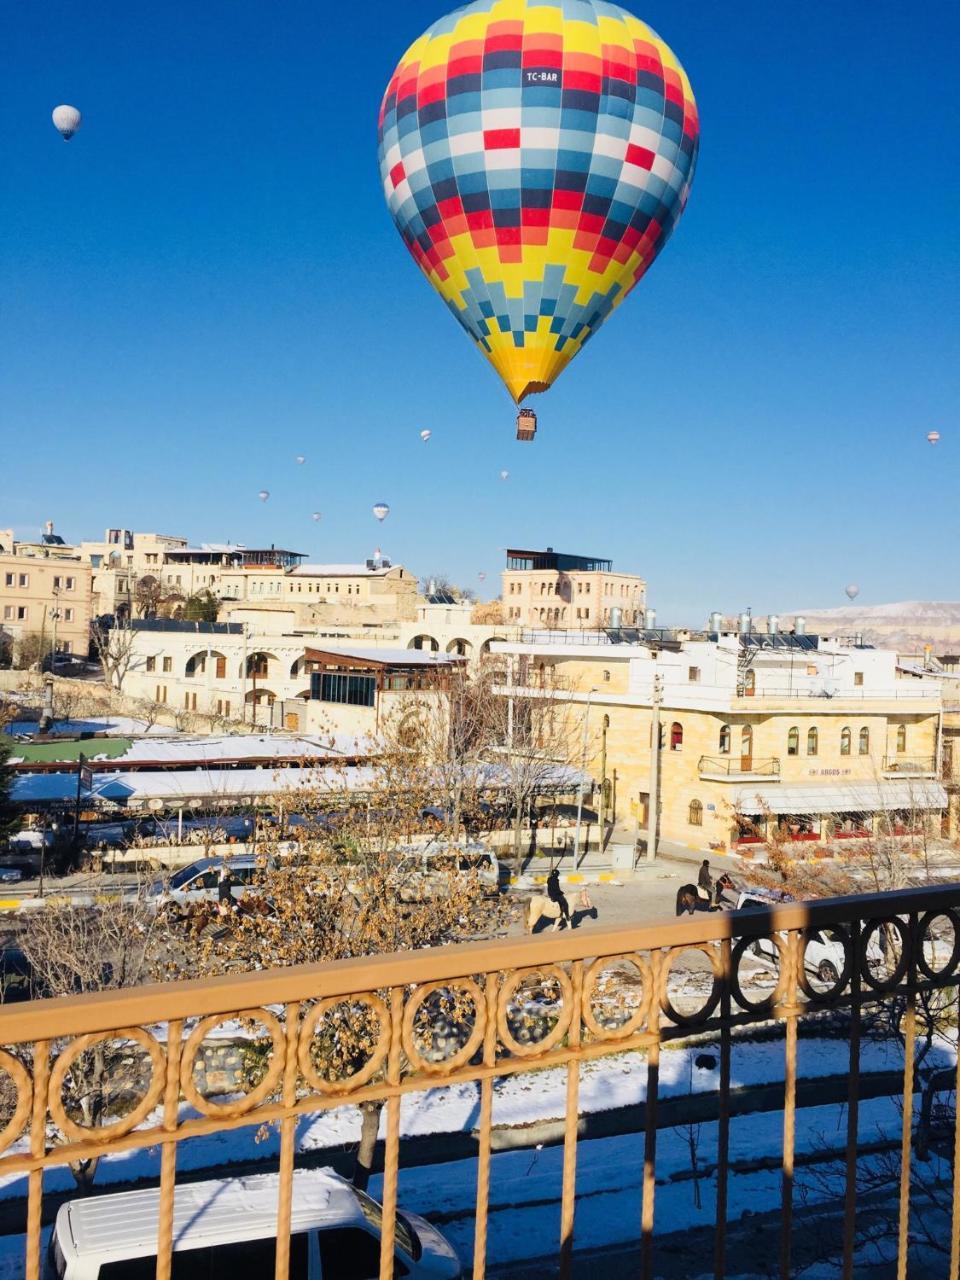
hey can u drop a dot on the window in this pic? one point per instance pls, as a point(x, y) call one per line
point(864, 741)
point(10, 579)
point(161, 693)
point(693, 674)
point(858, 678)
point(606, 676)
point(746, 742)
point(68, 615)
point(71, 583)
point(724, 742)
point(57, 582)
point(21, 613)
point(355, 691)
point(846, 738)
point(676, 736)
point(221, 668)
point(350, 1253)
point(167, 665)
point(813, 742)
point(901, 739)
point(24, 580)
point(151, 663)
point(695, 817)
point(793, 742)
point(8, 611)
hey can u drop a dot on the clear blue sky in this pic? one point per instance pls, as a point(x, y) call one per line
point(205, 282)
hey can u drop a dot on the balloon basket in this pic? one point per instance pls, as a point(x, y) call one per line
point(526, 424)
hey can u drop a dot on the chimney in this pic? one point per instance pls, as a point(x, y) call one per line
point(48, 528)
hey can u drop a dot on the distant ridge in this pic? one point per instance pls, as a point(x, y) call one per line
point(907, 624)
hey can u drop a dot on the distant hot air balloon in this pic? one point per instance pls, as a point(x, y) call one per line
point(852, 591)
point(300, 459)
point(933, 437)
point(535, 157)
point(381, 511)
point(425, 435)
point(263, 495)
point(482, 576)
point(317, 515)
point(504, 475)
point(66, 121)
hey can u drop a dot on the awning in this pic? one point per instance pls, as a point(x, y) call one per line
point(842, 797)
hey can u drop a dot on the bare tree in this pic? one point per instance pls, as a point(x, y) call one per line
point(77, 949)
point(114, 647)
point(147, 596)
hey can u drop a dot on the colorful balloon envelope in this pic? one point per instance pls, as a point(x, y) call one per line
point(425, 435)
point(933, 437)
point(263, 495)
point(381, 511)
point(535, 156)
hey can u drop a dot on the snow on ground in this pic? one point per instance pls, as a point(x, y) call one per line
point(119, 726)
point(526, 1098)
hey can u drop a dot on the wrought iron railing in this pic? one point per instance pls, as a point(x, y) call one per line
point(739, 766)
point(586, 1009)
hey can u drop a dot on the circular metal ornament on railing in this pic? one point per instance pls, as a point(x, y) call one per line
point(378, 1052)
point(239, 1106)
point(104, 1132)
point(564, 1017)
point(701, 1015)
point(475, 1039)
point(892, 980)
point(776, 995)
point(947, 971)
point(836, 988)
point(20, 1076)
point(642, 1012)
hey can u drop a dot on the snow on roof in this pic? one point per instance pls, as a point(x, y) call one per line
point(117, 726)
point(393, 657)
point(239, 746)
point(341, 571)
point(203, 1213)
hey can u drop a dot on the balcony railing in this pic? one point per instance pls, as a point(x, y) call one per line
point(739, 767)
point(559, 1000)
point(911, 766)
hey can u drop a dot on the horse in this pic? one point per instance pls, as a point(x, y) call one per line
point(690, 900)
point(541, 905)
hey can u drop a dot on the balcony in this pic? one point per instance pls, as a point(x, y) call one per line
point(737, 768)
point(548, 1003)
point(910, 766)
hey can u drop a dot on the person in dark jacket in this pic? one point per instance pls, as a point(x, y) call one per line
point(705, 880)
point(225, 899)
point(555, 894)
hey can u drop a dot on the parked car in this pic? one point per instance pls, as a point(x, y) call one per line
point(428, 865)
point(824, 955)
point(200, 880)
point(16, 976)
point(228, 1227)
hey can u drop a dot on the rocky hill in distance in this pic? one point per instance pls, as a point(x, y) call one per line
point(907, 625)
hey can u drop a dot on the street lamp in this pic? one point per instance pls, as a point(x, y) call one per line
point(583, 770)
point(55, 618)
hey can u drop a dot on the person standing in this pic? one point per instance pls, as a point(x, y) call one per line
point(225, 899)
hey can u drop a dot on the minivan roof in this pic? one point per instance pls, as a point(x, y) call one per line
point(238, 860)
point(220, 1211)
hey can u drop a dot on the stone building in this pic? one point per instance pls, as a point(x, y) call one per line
point(45, 591)
point(552, 589)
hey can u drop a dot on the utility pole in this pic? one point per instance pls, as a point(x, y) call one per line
point(55, 618)
point(653, 806)
point(583, 770)
point(243, 671)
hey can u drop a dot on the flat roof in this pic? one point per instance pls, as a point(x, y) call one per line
point(388, 657)
point(341, 570)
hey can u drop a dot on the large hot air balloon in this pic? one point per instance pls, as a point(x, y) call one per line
point(535, 156)
point(852, 591)
point(66, 121)
point(381, 511)
point(933, 437)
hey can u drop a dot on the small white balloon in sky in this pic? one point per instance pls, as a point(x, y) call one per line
point(425, 435)
point(300, 459)
point(66, 121)
point(504, 475)
point(317, 515)
point(263, 495)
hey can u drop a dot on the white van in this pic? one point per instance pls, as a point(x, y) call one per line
point(825, 954)
point(429, 864)
point(227, 1227)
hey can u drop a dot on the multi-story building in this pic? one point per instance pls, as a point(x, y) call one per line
point(552, 589)
point(120, 560)
point(810, 736)
point(280, 678)
point(45, 591)
point(372, 593)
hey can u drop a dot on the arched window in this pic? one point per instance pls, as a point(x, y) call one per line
point(724, 739)
point(901, 739)
point(793, 742)
point(846, 739)
point(864, 741)
point(746, 742)
point(676, 736)
point(695, 817)
point(813, 742)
